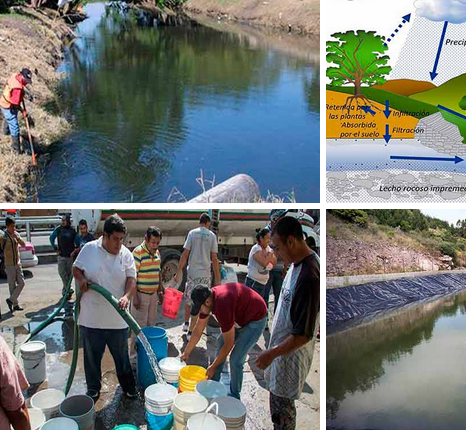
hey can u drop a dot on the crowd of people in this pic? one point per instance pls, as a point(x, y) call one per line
point(241, 310)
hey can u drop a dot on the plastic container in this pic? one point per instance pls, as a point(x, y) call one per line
point(170, 368)
point(37, 418)
point(48, 401)
point(80, 409)
point(33, 357)
point(159, 398)
point(126, 427)
point(158, 340)
point(232, 412)
point(228, 275)
point(211, 389)
point(171, 302)
point(185, 406)
point(159, 422)
point(206, 420)
point(190, 376)
point(60, 424)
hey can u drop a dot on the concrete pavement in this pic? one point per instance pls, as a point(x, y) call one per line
point(42, 295)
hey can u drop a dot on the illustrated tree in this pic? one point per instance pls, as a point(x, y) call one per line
point(359, 59)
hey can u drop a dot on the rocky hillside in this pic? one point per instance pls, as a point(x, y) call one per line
point(355, 250)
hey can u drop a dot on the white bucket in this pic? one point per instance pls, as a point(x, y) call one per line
point(37, 418)
point(211, 389)
point(33, 356)
point(159, 398)
point(186, 405)
point(80, 409)
point(229, 275)
point(232, 411)
point(48, 401)
point(60, 424)
point(206, 420)
point(170, 367)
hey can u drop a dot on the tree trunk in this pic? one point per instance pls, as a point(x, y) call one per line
point(357, 88)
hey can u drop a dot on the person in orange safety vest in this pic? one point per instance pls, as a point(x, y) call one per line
point(11, 101)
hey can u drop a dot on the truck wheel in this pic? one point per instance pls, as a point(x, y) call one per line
point(170, 262)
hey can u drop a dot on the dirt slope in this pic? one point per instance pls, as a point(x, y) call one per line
point(302, 15)
point(34, 40)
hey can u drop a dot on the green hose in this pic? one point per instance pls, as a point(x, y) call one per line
point(49, 320)
point(133, 325)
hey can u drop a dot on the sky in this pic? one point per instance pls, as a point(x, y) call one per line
point(450, 215)
point(381, 16)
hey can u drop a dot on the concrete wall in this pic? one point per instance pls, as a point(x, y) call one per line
point(346, 281)
point(437, 133)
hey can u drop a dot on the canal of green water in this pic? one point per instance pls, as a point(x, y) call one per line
point(403, 371)
point(152, 106)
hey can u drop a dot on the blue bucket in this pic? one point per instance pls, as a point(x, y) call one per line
point(159, 422)
point(158, 340)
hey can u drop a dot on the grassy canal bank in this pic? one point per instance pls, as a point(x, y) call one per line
point(33, 39)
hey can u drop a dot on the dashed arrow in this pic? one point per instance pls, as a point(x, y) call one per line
point(405, 19)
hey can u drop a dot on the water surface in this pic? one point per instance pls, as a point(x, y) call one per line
point(405, 371)
point(154, 106)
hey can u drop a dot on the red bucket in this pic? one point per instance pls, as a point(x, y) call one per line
point(171, 302)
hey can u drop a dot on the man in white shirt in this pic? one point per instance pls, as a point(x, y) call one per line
point(200, 252)
point(106, 262)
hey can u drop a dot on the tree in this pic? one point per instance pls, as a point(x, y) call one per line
point(359, 59)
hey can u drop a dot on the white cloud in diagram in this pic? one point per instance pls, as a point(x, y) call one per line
point(453, 11)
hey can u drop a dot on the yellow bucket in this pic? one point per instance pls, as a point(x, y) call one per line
point(190, 376)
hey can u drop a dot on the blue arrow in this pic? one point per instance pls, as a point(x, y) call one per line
point(387, 110)
point(434, 73)
point(451, 111)
point(367, 109)
point(405, 19)
point(403, 157)
point(387, 136)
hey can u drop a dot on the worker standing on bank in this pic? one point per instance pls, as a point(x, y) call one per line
point(287, 361)
point(148, 284)
point(65, 235)
point(200, 252)
point(11, 102)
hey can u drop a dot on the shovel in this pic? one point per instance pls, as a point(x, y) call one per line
point(26, 120)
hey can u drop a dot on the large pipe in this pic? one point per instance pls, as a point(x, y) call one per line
point(238, 189)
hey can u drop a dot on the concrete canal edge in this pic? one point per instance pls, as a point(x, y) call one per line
point(347, 281)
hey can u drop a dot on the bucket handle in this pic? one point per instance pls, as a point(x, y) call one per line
point(211, 407)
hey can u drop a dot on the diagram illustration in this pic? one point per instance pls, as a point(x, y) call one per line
point(396, 101)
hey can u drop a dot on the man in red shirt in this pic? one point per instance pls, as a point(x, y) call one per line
point(242, 315)
point(11, 101)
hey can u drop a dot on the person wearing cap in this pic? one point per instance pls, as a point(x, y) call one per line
point(288, 359)
point(65, 235)
point(242, 315)
point(12, 101)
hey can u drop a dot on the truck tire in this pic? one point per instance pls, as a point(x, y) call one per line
point(170, 262)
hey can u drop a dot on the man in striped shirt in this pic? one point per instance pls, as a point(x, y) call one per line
point(149, 283)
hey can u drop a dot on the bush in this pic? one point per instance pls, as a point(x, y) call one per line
point(355, 216)
point(448, 249)
point(462, 103)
